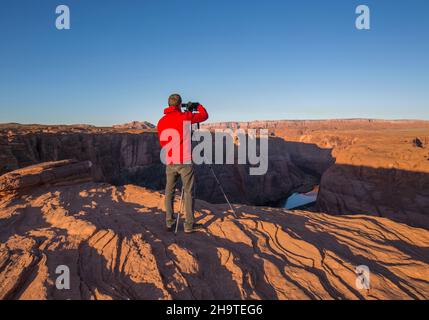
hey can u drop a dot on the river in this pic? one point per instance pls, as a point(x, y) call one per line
point(300, 199)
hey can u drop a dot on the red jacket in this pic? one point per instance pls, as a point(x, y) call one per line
point(175, 119)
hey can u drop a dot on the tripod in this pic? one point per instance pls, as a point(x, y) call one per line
point(220, 187)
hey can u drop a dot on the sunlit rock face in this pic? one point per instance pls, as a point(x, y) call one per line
point(381, 167)
point(113, 242)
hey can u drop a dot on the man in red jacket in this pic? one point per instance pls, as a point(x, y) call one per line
point(174, 132)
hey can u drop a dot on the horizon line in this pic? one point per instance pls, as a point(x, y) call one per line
point(217, 122)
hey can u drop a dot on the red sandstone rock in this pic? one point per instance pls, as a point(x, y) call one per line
point(139, 125)
point(380, 168)
point(48, 173)
point(114, 243)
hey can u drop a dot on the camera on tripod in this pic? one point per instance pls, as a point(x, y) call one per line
point(190, 106)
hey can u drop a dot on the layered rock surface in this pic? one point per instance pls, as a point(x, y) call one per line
point(113, 241)
point(381, 167)
point(139, 125)
point(378, 172)
point(48, 173)
point(118, 156)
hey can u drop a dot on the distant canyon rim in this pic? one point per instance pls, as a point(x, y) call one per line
point(362, 166)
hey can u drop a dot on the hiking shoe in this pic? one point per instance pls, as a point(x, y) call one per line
point(170, 227)
point(195, 227)
point(170, 224)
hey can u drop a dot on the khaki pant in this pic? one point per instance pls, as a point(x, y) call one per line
point(186, 173)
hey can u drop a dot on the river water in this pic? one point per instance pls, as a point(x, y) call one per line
point(300, 199)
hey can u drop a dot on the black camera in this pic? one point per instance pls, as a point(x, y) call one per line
point(190, 106)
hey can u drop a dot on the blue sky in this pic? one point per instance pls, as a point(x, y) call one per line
point(243, 59)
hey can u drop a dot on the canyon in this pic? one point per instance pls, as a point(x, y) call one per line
point(92, 198)
point(132, 156)
point(374, 167)
point(379, 167)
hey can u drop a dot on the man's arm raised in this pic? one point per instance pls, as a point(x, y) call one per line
point(200, 116)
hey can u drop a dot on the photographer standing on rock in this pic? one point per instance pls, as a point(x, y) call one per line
point(179, 157)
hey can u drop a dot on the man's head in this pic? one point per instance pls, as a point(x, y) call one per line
point(175, 100)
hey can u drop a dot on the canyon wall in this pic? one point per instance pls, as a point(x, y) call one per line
point(363, 166)
point(381, 166)
point(117, 157)
point(121, 157)
point(399, 195)
point(292, 167)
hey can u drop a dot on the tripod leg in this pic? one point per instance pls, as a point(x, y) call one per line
point(223, 192)
point(180, 211)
